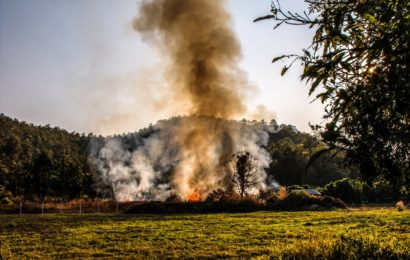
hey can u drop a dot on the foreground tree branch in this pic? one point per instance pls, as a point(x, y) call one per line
point(357, 63)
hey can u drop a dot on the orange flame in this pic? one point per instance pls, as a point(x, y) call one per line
point(194, 196)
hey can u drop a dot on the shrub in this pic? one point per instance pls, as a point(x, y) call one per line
point(6, 198)
point(346, 189)
point(298, 199)
point(220, 195)
point(6, 201)
point(266, 194)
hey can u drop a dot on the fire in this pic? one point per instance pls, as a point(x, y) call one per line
point(194, 196)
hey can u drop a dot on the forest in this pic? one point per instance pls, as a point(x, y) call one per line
point(43, 161)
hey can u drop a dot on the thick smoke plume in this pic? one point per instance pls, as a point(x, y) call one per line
point(155, 162)
point(196, 39)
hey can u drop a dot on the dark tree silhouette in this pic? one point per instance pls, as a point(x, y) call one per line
point(243, 171)
point(359, 57)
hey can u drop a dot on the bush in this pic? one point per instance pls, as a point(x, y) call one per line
point(267, 194)
point(6, 201)
point(300, 199)
point(346, 189)
point(220, 195)
point(6, 198)
point(356, 191)
point(277, 197)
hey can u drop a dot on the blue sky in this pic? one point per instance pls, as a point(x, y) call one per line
point(79, 65)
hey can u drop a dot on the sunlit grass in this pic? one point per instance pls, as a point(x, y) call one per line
point(261, 234)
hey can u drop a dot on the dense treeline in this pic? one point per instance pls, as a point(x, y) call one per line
point(39, 161)
point(291, 151)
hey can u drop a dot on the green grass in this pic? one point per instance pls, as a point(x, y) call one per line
point(338, 234)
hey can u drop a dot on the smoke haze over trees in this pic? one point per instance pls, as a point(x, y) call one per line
point(39, 161)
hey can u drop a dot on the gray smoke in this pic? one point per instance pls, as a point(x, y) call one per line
point(152, 164)
point(185, 156)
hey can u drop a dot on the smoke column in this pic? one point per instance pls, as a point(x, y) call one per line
point(197, 37)
point(202, 52)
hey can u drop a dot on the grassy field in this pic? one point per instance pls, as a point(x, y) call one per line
point(383, 233)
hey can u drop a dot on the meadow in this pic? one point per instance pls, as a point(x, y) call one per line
point(371, 233)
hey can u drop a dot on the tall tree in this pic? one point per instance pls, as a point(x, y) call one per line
point(357, 63)
point(243, 171)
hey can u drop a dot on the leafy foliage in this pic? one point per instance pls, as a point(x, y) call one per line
point(291, 150)
point(38, 161)
point(346, 189)
point(358, 66)
point(42, 161)
point(354, 190)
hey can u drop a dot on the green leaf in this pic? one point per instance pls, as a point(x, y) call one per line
point(278, 58)
point(284, 69)
point(314, 85)
point(266, 17)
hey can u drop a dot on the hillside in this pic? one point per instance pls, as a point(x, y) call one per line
point(39, 161)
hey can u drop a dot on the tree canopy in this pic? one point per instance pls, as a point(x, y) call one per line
point(38, 161)
point(357, 64)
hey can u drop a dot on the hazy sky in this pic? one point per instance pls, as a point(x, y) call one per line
point(80, 66)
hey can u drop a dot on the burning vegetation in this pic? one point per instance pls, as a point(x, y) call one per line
point(187, 156)
point(151, 165)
